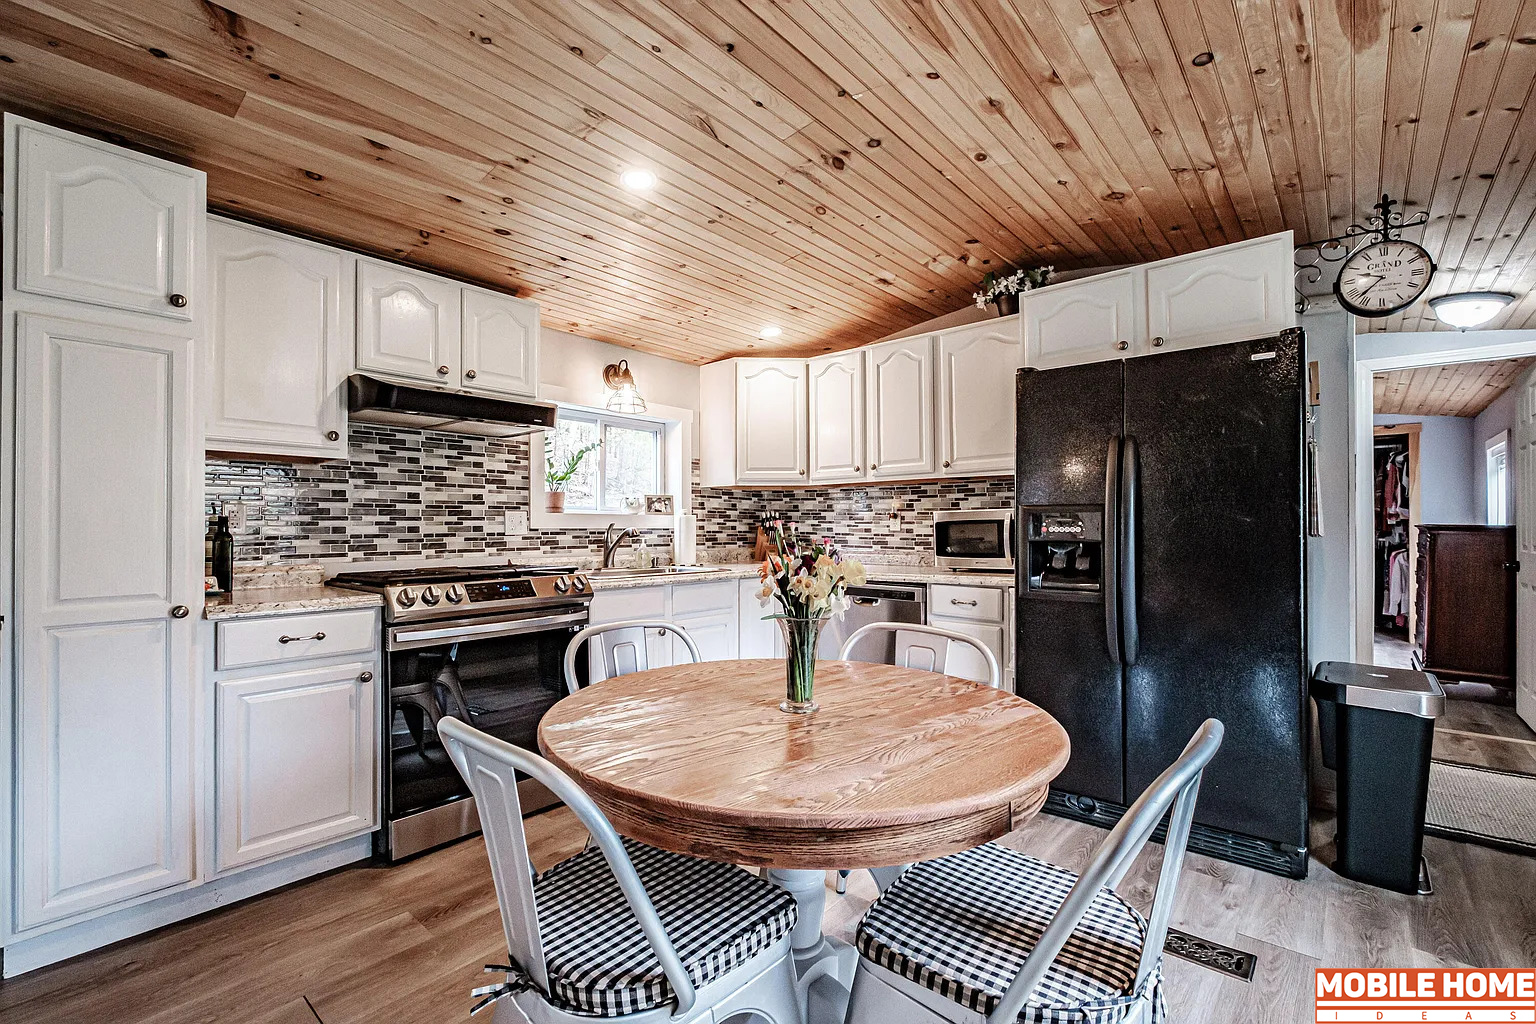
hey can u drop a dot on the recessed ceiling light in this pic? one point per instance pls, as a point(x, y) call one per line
point(1464, 310)
point(770, 331)
point(638, 179)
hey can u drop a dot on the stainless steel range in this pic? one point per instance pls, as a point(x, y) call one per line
point(484, 644)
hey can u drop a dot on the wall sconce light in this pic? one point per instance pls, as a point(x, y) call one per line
point(619, 380)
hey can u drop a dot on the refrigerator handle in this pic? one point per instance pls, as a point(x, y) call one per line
point(1111, 566)
point(1130, 490)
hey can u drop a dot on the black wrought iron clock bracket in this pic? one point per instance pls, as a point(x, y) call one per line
point(1387, 224)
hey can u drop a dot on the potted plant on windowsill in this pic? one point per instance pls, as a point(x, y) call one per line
point(558, 473)
point(1005, 287)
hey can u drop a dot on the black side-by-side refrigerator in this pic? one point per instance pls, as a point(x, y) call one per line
point(1160, 582)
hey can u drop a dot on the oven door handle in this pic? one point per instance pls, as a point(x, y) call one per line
point(402, 638)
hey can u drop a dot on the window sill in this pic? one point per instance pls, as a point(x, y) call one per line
point(540, 518)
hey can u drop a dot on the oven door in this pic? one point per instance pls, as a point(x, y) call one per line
point(974, 540)
point(498, 674)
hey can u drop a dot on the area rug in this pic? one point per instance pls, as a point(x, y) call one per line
point(1481, 805)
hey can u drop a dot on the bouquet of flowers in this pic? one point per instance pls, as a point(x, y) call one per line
point(810, 579)
point(995, 286)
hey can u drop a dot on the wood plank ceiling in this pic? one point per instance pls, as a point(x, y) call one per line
point(844, 168)
point(1463, 389)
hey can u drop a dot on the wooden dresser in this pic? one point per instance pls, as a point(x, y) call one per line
point(1465, 598)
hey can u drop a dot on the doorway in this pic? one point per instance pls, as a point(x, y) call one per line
point(1443, 594)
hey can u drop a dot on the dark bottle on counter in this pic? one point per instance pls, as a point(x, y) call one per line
point(223, 554)
point(208, 547)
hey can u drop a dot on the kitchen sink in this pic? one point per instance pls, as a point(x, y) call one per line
point(622, 573)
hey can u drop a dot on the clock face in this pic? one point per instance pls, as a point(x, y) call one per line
point(1383, 277)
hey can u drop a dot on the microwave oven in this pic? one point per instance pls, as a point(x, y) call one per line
point(974, 539)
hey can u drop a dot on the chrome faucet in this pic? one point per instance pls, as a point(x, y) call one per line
point(611, 543)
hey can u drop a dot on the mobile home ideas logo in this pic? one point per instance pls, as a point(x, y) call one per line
point(1396, 997)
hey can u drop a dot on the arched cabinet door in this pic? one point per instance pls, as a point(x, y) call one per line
point(281, 343)
point(102, 225)
point(837, 417)
point(407, 324)
point(899, 408)
point(1083, 321)
point(501, 344)
point(771, 421)
point(977, 365)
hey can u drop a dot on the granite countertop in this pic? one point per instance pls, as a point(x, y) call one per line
point(915, 574)
point(252, 601)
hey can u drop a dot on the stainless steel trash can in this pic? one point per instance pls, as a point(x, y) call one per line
point(1383, 726)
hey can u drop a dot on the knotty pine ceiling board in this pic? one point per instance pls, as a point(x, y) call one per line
point(843, 168)
point(1463, 389)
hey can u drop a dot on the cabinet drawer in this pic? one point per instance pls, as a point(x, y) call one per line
point(246, 642)
point(984, 604)
point(635, 603)
point(699, 598)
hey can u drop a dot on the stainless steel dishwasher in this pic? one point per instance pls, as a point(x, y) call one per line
point(873, 603)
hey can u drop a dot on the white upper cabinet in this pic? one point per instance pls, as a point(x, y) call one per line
point(501, 344)
point(108, 499)
point(771, 421)
point(976, 397)
point(296, 756)
point(899, 408)
point(407, 324)
point(1082, 321)
point(1231, 293)
point(99, 224)
point(837, 417)
point(281, 343)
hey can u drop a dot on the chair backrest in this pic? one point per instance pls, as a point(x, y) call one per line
point(1175, 789)
point(489, 767)
point(926, 648)
point(617, 649)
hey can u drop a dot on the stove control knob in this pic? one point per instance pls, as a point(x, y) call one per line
point(455, 593)
point(406, 598)
point(429, 596)
point(562, 584)
point(579, 582)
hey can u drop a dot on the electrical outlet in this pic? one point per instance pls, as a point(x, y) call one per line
point(236, 512)
point(515, 522)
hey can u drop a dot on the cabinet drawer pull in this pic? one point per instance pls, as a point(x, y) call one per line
point(285, 639)
point(178, 300)
point(956, 600)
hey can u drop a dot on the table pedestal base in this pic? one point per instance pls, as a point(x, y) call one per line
point(823, 965)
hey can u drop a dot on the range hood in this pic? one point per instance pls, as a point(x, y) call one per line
point(370, 400)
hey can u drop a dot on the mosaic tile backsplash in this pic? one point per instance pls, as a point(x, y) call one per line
point(411, 494)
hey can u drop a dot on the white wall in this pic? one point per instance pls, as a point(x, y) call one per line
point(1330, 622)
point(571, 370)
point(1497, 417)
point(1448, 475)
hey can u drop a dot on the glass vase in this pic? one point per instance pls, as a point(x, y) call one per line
point(800, 639)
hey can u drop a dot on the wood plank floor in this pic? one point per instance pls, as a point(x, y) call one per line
point(405, 944)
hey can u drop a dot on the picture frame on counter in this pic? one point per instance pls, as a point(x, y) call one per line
point(658, 504)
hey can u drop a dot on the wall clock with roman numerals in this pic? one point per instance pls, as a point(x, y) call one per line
point(1383, 276)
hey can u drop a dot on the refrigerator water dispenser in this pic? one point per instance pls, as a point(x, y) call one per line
point(1065, 548)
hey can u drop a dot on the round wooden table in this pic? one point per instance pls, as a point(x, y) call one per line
point(897, 766)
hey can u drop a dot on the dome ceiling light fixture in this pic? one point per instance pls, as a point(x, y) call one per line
point(1466, 310)
point(638, 179)
point(770, 331)
point(618, 379)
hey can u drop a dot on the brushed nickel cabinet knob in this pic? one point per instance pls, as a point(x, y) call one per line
point(366, 677)
point(946, 463)
point(469, 374)
point(180, 611)
point(443, 370)
point(1157, 342)
point(178, 300)
point(331, 435)
point(1122, 345)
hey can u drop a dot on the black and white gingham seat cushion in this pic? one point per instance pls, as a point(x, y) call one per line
point(963, 926)
point(599, 962)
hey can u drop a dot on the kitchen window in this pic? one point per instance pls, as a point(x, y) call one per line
point(617, 476)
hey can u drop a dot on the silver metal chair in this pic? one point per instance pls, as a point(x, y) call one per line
point(594, 935)
point(926, 647)
point(617, 649)
point(960, 923)
point(920, 647)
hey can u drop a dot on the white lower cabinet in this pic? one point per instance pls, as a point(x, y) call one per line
point(757, 635)
point(296, 760)
point(707, 610)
